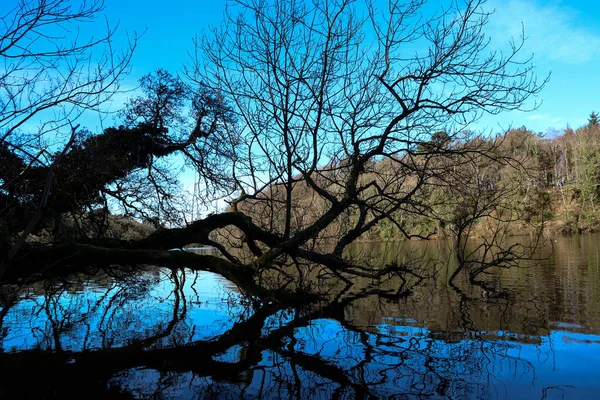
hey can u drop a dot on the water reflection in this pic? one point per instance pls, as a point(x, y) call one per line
point(165, 334)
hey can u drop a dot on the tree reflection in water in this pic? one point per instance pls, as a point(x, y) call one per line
point(170, 334)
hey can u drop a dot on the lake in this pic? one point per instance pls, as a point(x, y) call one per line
point(163, 334)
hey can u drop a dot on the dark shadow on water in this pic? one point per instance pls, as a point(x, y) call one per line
point(164, 334)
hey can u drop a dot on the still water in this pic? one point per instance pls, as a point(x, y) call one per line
point(160, 334)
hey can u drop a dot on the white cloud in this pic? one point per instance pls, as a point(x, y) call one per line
point(551, 28)
point(548, 118)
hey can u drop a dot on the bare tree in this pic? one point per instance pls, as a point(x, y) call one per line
point(333, 123)
point(338, 111)
point(50, 68)
point(51, 75)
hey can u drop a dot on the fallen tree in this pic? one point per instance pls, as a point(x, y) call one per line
point(286, 96)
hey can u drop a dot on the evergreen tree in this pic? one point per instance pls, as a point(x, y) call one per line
point(593, 120)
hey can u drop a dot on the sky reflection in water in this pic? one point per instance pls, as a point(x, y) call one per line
point(190, 335)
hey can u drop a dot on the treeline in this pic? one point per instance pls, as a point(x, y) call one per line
point(565, 168)
point(555, 187)
point(515, 183)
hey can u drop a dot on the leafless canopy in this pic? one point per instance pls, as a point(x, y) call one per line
point(338, 103)
point(347, 115)
point(52, 70)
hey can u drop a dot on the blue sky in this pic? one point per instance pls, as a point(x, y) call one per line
point(564, 37)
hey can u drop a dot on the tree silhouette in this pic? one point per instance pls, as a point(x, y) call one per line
point(593, 120)
point(313, 133)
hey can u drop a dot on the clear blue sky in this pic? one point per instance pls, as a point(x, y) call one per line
point(563, 35)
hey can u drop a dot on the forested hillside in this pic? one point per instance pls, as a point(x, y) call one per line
point(531, 181)
point(565, 170)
